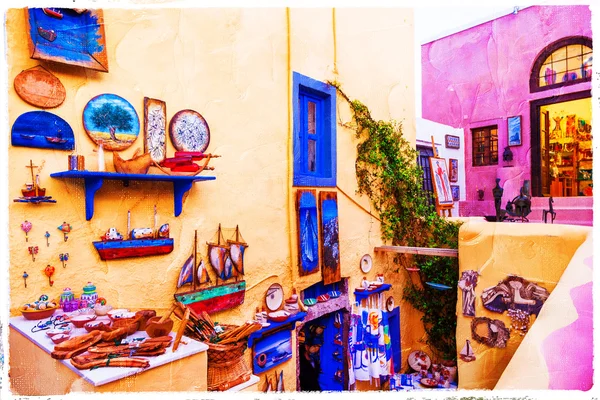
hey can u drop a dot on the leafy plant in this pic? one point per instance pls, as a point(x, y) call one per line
point(387, 171)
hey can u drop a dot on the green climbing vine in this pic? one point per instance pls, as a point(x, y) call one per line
point(387, 172)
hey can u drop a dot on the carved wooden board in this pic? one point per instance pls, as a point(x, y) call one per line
point(329, 228)
point(155, 127)
point(308, 236)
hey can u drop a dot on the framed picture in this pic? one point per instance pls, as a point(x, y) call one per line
point(453, 173)
point(455, 192)
point(514, 131)
point(441, 183)
point(68, 36)
point(452, 142)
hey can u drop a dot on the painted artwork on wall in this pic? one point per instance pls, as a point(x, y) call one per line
point(453, 173)
point(308, 237)
point(271, 351)
point(330, 237)
point(452, 142)
point(42, 129)
point(68, 36)
point(111, 119)
point(441, 183)
point(155, 127)
point(514, 131)
point(40, 88)
point(455, 192)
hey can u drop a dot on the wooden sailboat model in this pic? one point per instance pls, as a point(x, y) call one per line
point(226, 264)
point(141, 241)
point(33, 193)
point(467, 354)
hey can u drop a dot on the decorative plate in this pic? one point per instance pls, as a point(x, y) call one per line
point(419, 358)
point(40, 88)
point(274, 297)
point(428, 382)
point(438, 286)
point(111, 119)
point(279, 316)
point(389, 304)
point(366, 263)
point(42, 129)
point(189, 131)
point(323, 298)
point(334, 294)
point(310, 302)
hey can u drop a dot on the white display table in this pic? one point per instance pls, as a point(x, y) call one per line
point(22, 356)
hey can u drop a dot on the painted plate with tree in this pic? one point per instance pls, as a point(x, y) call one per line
point(111, 119)
point(189, 131)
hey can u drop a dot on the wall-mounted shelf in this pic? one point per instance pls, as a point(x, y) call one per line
point(363, 294)
point(93, 182)
point(289, 323)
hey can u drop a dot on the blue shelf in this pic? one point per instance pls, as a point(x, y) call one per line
point(275, 326)
point(360, 295)
point(93, 182)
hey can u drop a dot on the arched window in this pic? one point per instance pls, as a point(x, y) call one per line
point(564, 62)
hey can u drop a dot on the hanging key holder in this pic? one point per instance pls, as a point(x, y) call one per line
point(65, 228)
point(64, 257)
point(25, 276)
point(26, 227)
point(49, 271)
point(33, 250)
point(47, 236)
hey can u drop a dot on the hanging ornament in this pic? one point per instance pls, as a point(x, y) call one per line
point(33, 250)
point(47, 235)
point(65, 228)
point(25, 276)
point(49, 271)
point(26, 227)
point(64, 258)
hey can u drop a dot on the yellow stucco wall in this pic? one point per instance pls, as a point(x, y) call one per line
point(234, 67)
point(537, 252)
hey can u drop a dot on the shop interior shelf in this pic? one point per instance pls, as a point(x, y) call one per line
point(275, 326)
point(93, 181)
point(366, 293)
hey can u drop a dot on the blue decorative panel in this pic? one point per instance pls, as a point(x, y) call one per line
point(42, 129)
point(314, 132)
point(308, 228)
point(271, 351)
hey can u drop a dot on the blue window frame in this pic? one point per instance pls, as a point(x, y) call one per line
point(314, 132)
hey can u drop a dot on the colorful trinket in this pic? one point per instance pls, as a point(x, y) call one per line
point(26, 227)
point(47, 235)
point(89, 294)
point(25, 276)
point(65, 228)
point(65, 297)
point(63, 258)
point(49, 271)
point(33, 250)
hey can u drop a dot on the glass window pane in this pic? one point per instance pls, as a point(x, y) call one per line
point(559, 54)
point(312, 117)
point(312, 155)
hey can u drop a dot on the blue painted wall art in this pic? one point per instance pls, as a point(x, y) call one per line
point(330, 237)
point(271, 351)
point(308, 237)
point(68, 36)
point(42, 129)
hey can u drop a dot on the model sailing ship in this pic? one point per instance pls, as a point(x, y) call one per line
point(467, 354)
point(33, 193)
point(227, 261)
point(141, 242)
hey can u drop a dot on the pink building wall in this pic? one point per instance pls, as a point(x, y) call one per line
point(480, 77)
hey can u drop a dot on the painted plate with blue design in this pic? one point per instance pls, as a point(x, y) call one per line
point(189, 131)
point(112, 120)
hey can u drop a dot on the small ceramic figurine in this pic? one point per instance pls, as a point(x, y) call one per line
point(380, 278)
point(66, 296)
point(89, 294)
point(365, 283)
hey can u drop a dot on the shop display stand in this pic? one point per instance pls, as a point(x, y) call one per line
point(93, 182)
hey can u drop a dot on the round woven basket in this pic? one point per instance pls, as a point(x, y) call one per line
point(226, 366)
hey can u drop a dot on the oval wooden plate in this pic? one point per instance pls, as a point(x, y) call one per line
point(40, 88)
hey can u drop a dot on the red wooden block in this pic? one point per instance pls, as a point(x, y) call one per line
point(196, 155)
point(186, 168)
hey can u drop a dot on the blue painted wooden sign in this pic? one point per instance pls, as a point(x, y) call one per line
point(271, 351)
point(42, 129)
point(330, 237)
point(308, 237)
point(68, 36)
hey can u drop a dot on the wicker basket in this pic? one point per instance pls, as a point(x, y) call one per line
point(226, 366)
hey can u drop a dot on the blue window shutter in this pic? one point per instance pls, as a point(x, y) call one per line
point(307, 90)
point(394, 321)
